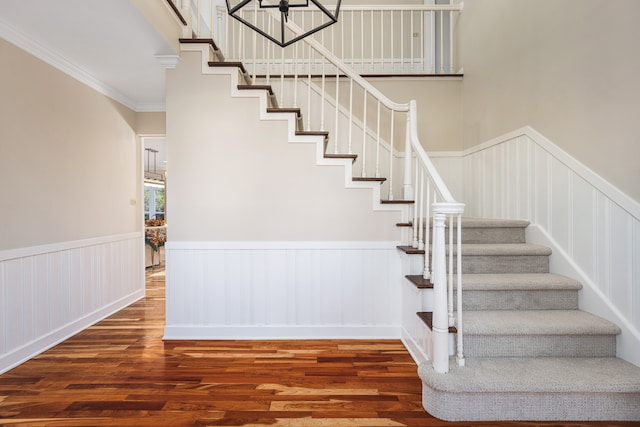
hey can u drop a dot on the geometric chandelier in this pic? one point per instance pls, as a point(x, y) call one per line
point(245, 11)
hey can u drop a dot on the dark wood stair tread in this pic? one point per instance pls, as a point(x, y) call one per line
point(353, 157)
point(261, 87)
point(419, 281)
point(365, 179)
point(296, 111)
point(397, 202)
point(427, 318)
point(228, 64)
point(404, 224)
point(200, 40)
point(410, 250)
point(312, 132)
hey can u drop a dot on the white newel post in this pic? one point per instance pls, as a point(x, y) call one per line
point(439, 279)
point(187, 30)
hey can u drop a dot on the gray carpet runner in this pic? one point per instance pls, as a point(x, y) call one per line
point(531, 354)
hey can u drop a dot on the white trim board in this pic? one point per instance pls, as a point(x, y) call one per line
point(9, 254)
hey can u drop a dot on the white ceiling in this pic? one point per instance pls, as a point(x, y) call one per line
point(107, 44)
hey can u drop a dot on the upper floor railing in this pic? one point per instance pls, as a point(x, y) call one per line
point(363, 124)
point(371, 39)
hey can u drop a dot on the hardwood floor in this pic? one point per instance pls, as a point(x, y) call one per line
point(120, 373)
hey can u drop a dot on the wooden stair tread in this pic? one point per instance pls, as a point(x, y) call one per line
point(353, 157)
point(200, 40)
point(427, 318)
point(312, 132)
point(284, 110)
point(410, 250)
point(419, 281)
point(268, 88)
point(398, 202)
point(404, 224)
point(228, 64)
point(366, 179)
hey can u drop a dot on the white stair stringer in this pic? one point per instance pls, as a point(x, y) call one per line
point(292, 135)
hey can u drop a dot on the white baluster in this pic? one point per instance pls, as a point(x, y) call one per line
point(371, 32)
point(282, 76)
point(407, 191)
point(322, 102)
point(378, 143)
point(308, 114)
point(350, 115)
point(381, 41)
point(185, 10)
point(402, 40)
point(423, 67)
point(432, 38)
point(391, 156)
point(295, 74)
point(450, 275)
point(393, 59)
point(421, 245)
point(255, 41)
point(459, 344)
point(411, 40)
point(364, 137)
point(198, 17)
point(451, 69)
point(336, 136)
point(353, 55)
point(416, 212)
point(362, 39)
point(426, 274)
point(441, 42)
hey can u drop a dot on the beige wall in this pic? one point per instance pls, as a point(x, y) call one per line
point(151, 124)
point(69, 160)
point(568, 68)
point(439, 102)
point(234, 177)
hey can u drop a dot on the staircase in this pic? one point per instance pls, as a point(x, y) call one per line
point(531, 354)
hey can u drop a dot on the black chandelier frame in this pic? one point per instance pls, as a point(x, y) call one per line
point(283, 6)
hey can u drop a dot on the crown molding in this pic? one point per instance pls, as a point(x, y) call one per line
point(26, 43)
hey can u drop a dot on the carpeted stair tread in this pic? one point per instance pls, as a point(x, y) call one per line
point(536, 322)
point(515, 281)
point(536, 375)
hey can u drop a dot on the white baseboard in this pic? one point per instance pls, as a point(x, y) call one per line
point(280, 332)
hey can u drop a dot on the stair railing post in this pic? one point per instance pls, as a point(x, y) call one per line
point(439, 279)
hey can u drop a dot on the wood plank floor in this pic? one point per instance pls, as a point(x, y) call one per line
point(120, 373)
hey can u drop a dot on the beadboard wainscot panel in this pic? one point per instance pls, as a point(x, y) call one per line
point(591, 226)
point(51, 292)
point(272, 290)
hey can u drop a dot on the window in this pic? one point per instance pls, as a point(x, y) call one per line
point(153, 202)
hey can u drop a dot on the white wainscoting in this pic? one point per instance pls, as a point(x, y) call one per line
point(592, 227)
point(51, 292)
point(260, 290)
